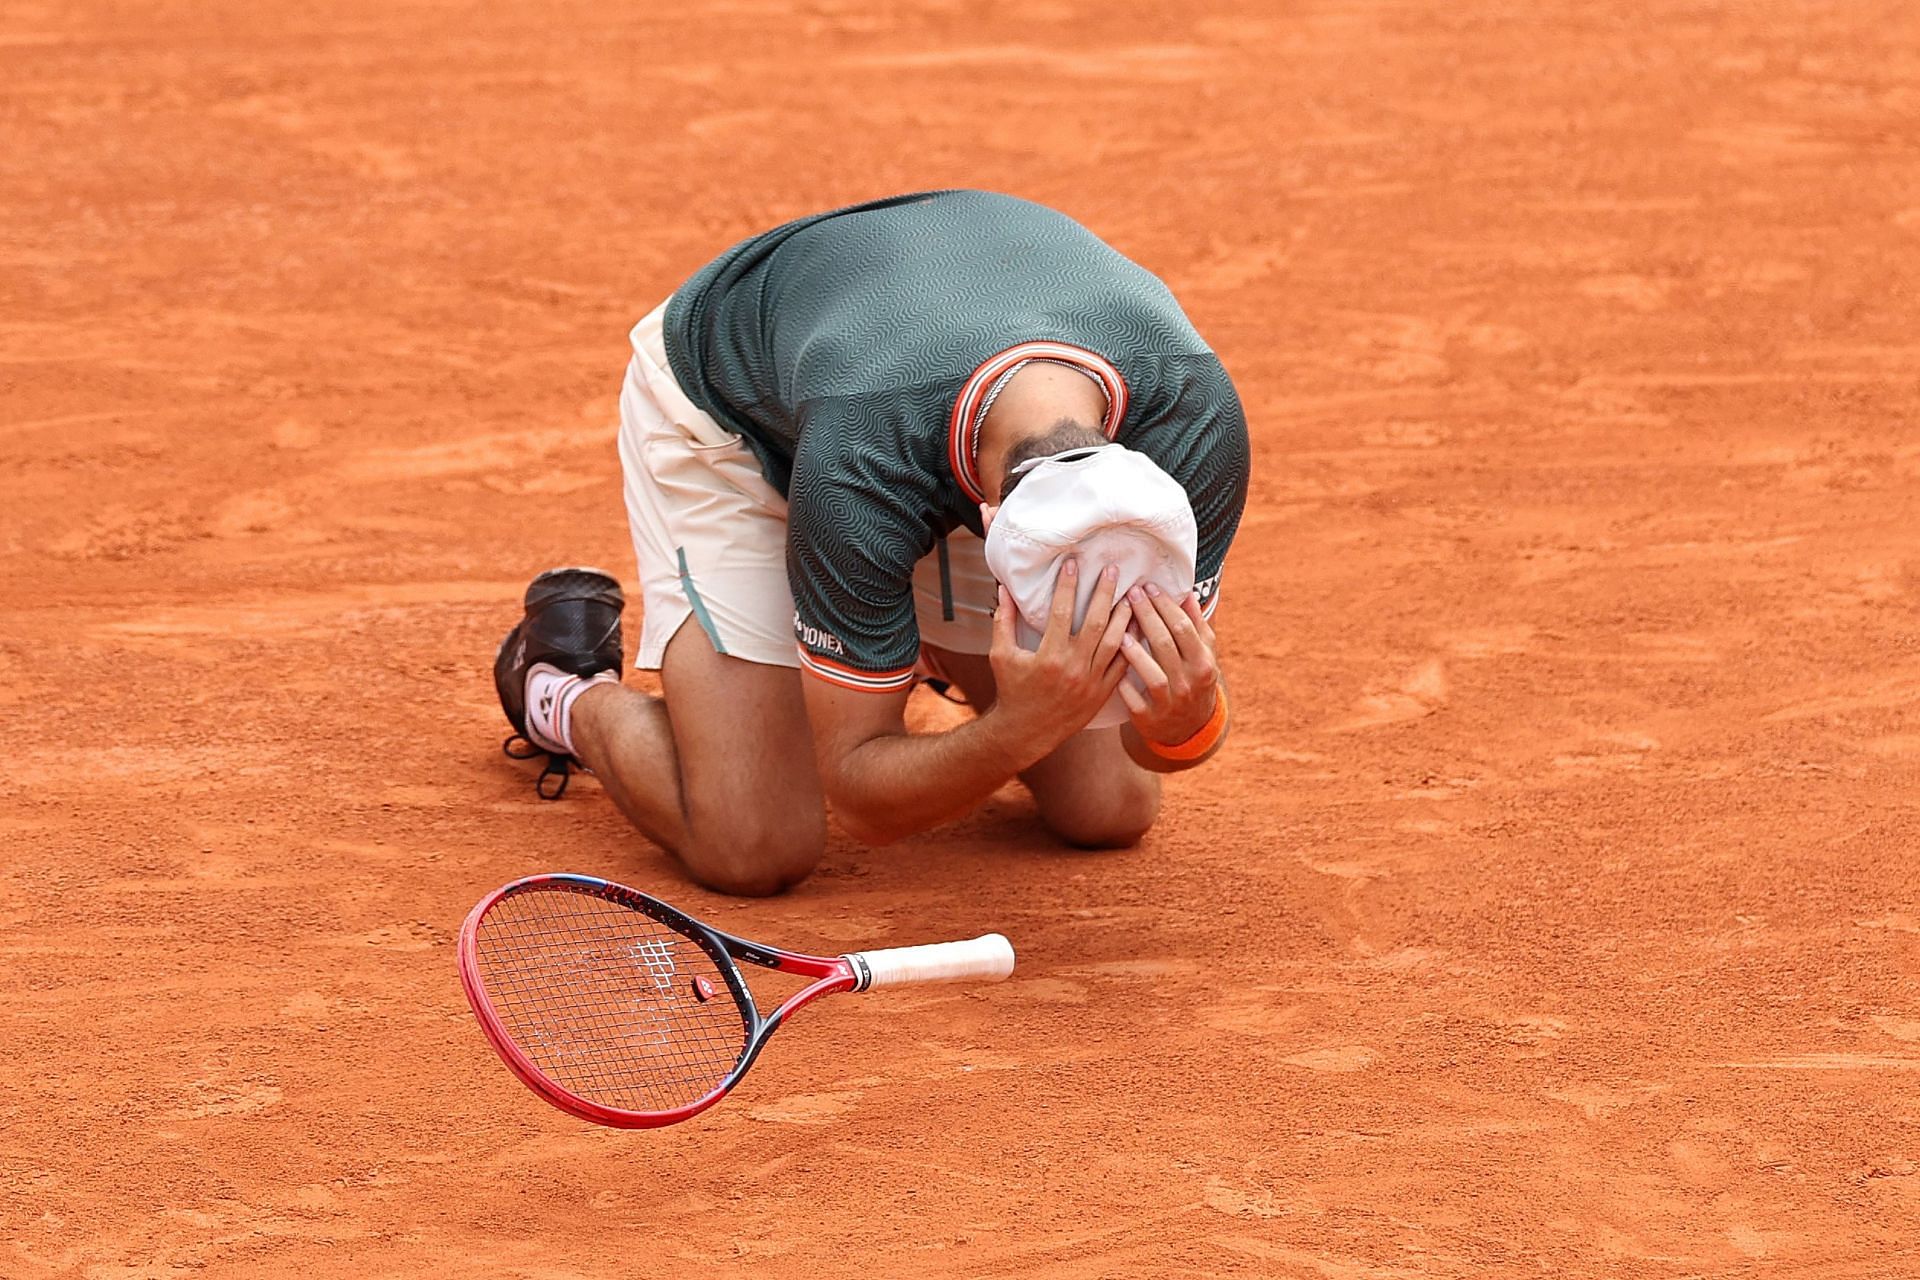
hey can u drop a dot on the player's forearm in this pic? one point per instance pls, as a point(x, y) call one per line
point(898, 785)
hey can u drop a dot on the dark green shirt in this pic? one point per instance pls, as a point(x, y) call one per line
point(851, 349)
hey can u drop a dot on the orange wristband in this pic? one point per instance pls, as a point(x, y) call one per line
point(1201, 742)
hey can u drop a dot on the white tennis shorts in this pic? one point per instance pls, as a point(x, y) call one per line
point(710, 533)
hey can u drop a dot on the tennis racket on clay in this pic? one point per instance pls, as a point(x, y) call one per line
point(620, 1009)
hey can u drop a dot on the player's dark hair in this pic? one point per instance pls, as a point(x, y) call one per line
point(1062, 436)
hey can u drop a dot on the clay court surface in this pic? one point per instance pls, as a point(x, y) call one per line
point(1554, 912)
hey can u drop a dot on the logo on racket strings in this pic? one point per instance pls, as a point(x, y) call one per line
point(657, 957)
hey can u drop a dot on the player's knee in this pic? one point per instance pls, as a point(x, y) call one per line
point(757, 871)
point(1118, 821)
point(754, 855)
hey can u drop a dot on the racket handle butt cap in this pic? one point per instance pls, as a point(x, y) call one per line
point(988, 958)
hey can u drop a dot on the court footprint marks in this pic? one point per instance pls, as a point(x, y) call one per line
point(1877, 692)
point(1269, 1018)
point(1398, 349)
point(1419, 693)
point(122, 531)
point(829, 1106)
point(1489, 642)
point(1161, 63)
point(410, 935)
point(1253, 1012)
point(806, 1108)
point(1338, 1058)
point(289, 117)
point(1767, 142)
point(1608, 753)
point(1597, 1102)
point(1045, 991)
point(1641, 293)
point(215, 1098)
point(1222, 1196)
point(1314, 1262)
point(1899, 1028)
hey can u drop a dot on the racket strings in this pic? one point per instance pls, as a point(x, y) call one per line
point(604, 1000)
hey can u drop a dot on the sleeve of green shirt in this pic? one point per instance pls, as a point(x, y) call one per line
point(855, 531)
point(1204, 446)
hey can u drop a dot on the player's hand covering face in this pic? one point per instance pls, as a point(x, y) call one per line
point(1174, 659)
point(1049, 694)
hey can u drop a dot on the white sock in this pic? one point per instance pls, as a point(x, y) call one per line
point(550, 697)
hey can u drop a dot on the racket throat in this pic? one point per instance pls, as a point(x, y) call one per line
point(862, 971)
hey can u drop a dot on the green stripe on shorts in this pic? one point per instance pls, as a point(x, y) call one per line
point(699, 606)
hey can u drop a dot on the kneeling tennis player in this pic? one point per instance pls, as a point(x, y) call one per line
point(951, 436)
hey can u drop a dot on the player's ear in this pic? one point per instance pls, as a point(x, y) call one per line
point(987, 512)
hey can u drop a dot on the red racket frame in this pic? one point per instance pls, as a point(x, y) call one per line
point(832, 974)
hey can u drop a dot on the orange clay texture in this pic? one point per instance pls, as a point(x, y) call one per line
point(1554, 910)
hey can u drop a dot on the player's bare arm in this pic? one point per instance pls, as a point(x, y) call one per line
point(885, 783)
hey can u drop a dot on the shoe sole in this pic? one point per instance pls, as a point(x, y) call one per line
point(534, 594)
point(533, 597)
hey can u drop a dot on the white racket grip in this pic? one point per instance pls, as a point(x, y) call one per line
point(988, 958)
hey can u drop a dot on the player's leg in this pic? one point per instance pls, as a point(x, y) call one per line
point(710, 539)
point(1091, 793)
point(720, 771)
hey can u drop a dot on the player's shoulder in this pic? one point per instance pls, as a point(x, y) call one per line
point(1186, 389)
point(864, 489)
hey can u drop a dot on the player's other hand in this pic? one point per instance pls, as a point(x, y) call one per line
point(1047, 695)
point(1175, 662)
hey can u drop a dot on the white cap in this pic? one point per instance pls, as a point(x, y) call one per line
point(1106, 505)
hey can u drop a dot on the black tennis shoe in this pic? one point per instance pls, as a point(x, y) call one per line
point(572, 621)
